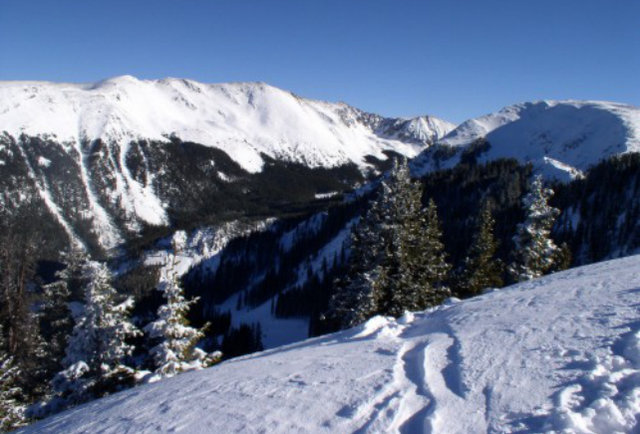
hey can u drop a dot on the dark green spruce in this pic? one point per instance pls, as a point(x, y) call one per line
point(481, 269)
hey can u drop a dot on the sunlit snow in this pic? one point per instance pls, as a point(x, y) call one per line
point(561, 139)
point(553, 354)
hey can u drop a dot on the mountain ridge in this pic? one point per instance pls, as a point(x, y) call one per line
point(110, 158)
point(244, 119)
point(137, 153)
point(561, 138)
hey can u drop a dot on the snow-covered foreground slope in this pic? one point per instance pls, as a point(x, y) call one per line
point(558, 353)
point(561, 138)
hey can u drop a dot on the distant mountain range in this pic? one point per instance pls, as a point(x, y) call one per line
point(245, 120)
point(112, 157)
point(107, 160)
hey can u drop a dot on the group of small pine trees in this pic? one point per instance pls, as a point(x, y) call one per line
point(397, 260)
point(85, 343)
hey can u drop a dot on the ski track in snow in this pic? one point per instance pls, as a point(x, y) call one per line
point(557, 354)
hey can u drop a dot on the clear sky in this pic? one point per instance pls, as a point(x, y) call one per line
point(451, 58)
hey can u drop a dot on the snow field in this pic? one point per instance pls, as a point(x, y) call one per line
point(242, 119)
point(556, 354)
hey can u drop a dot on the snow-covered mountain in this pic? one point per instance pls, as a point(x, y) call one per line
point(107, 159)
point(556, 354)
point(244, 120)
point(561, 138)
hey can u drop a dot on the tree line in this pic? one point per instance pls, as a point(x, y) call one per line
point(70, 331)
point(398, 262)
point(461, 193)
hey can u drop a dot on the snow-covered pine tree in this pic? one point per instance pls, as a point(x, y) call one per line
point(55, 313)
point(396, 208)
point(535, 251)
point(97, 348)
point(415, 261)
point(403, 227)
point(397, 260)
point(481, 269)
point(74, 261)
point(423, 266)
point(56, 318)
point(177, 351)
point(18, 253)
point(12, 405)
point(354, 299)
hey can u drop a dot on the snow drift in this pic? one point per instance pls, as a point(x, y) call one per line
point(557, 353)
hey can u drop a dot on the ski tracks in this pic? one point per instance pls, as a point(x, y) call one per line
point(434, 368)
point(426, 393)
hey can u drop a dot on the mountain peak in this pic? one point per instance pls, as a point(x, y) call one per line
point(245, 120)
point(113, 137)
point(562, 138)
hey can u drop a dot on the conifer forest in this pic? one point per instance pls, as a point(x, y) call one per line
point(76, 328)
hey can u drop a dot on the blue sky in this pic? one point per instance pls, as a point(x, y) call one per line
point(451, 58)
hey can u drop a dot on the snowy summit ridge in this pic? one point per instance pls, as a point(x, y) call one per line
point(109, 158)
point(244, 120)
point(555, 354)
point(561, 138)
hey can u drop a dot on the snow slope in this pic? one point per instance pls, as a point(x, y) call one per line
point(280, 331)
point(553, 354)
point(561, 138)
point(242, 119)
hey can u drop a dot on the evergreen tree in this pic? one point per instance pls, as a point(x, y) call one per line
point(74, 262)
point(176, 352)
point(423, 263)
point(419, 268)
point(481, 269)
point(12, 400)
point(18, 319)
point(400, 205)
point(97, 348)
point(397, 260)
point(563, 258)
point(535, 251)
point(353, 301)
point(56, 319)
point(245, 339)
point(413, 267)
point(362, 291)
